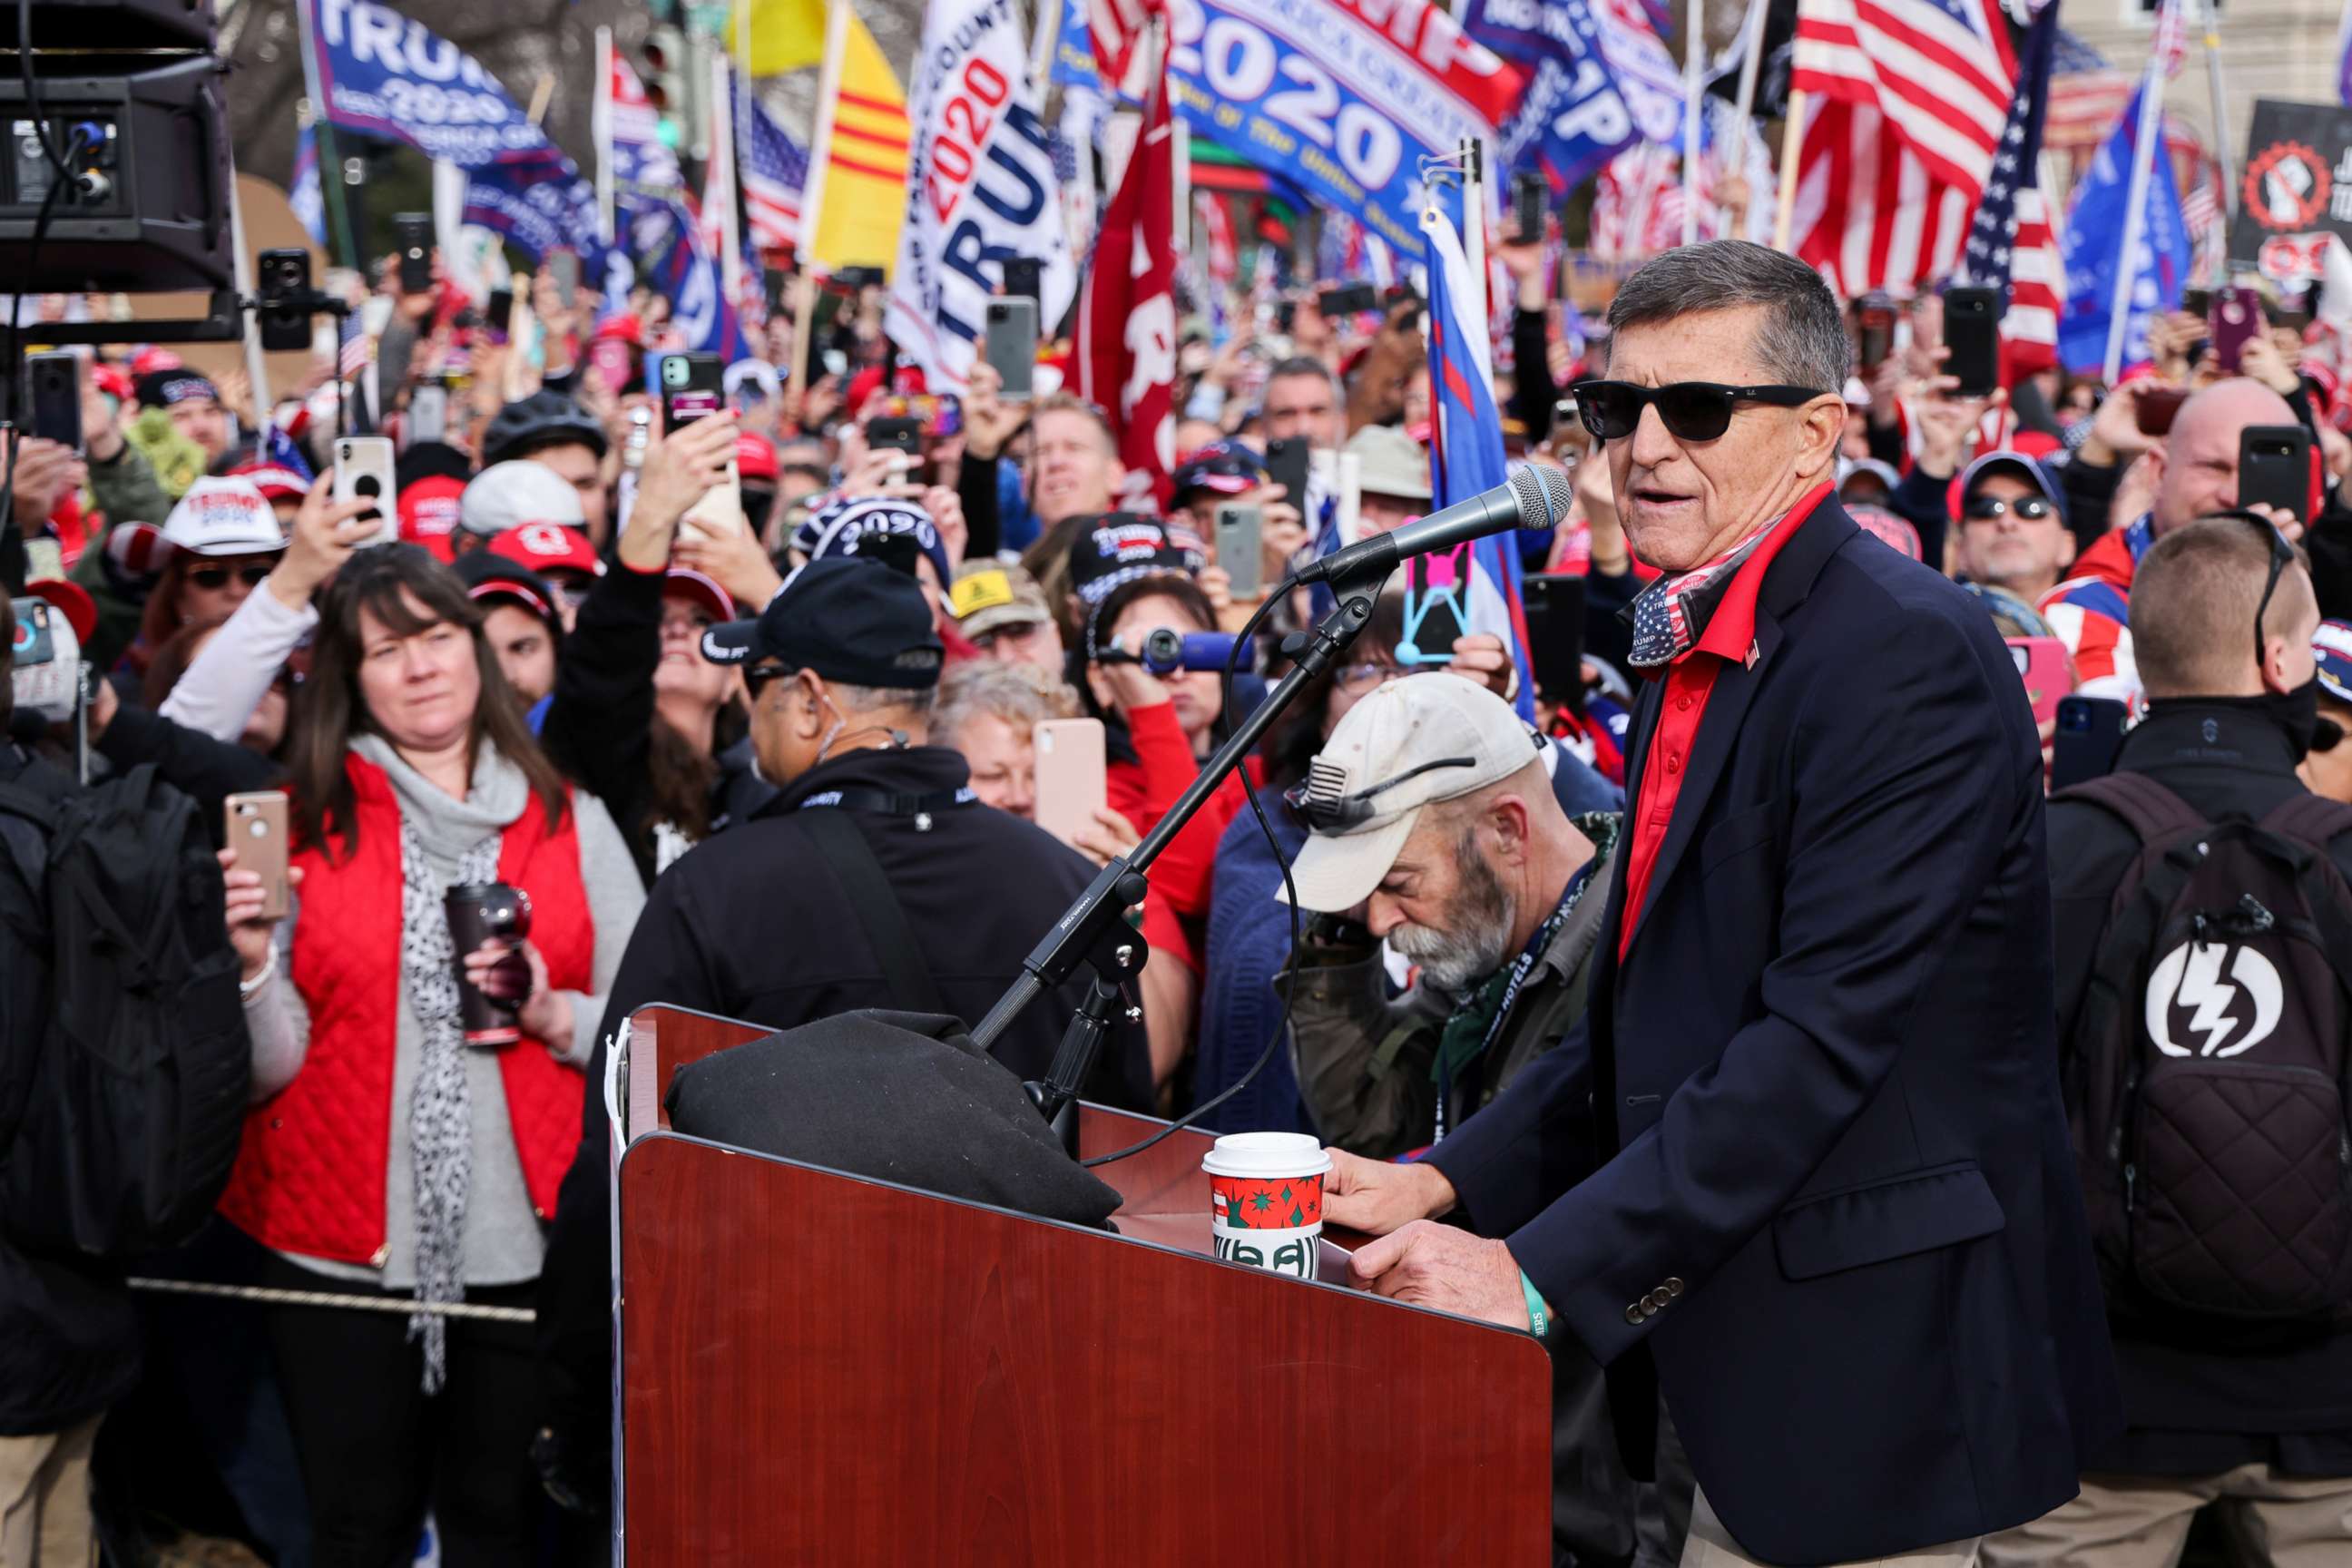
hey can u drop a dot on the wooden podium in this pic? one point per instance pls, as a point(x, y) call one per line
point(825, 1369)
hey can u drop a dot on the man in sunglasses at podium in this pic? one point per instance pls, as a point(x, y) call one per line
point(1802, 1179)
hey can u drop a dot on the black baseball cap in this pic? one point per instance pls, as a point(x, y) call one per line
point(1121, 546)
point(846, 618)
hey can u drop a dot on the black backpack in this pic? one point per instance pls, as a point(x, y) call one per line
point(2207, 1069)
point(130, 1121)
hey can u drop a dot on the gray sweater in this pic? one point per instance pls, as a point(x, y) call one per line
point(503, 1244)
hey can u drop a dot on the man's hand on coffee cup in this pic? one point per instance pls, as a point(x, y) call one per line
point(1376, 1197)
point(1438, 1266)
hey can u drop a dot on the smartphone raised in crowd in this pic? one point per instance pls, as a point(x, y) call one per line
point(2155, 406)
point(1531, 193)
point(1240, 531)
point(2090, 735)
point(902, 434)
point(694, 386)
point(1024, 278)
point(415, 235)
point(282, 278)
point(1011, 347)
point(2235, 318)
point(1286, 464)
point(1873, 318)
point(1073, 781)
point(428, 415)
point(363, 471)
point(2275, 469)
point(255, 824)
point(1972, 333)
point(563, 265)
point(1553, 604)
point(53, 397)
point(2047, 672)
point(1347, 300)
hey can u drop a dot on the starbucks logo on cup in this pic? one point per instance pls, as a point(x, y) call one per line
point(1265, 1200)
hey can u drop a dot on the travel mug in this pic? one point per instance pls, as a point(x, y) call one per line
point(483, 912)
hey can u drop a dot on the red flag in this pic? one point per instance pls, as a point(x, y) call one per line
point(1126, 349)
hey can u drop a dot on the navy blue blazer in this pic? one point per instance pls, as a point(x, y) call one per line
point(1804, 1166)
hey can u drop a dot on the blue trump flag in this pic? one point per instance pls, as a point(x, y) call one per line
point(384, 75)
point(2093, 248)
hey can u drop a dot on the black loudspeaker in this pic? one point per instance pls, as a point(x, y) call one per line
point(107, 26)
point(130, 96)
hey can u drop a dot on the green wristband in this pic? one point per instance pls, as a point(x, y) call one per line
point(1539, 1317)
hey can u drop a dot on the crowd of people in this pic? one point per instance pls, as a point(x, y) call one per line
point(542, 666)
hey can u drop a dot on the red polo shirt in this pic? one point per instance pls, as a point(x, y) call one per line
point(1730, 632)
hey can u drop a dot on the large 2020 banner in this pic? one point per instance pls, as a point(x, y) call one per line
point(385, 74)
point(1343, 96)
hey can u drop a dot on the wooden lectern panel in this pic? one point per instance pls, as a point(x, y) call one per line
point(828, 1370)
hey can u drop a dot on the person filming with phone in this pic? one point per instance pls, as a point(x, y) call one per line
point(1812, 1122)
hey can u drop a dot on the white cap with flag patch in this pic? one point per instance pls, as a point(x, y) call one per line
point(1413, 742)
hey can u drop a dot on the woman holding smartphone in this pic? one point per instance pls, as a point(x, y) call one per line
point(386, 1156)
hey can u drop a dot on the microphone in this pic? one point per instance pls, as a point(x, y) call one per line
point(1166, 651)
point(1535, 497)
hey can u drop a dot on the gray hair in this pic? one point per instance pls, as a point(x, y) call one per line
point(1020, 694)
point(1305, 364)
point(911, 701)
point(1803, 341)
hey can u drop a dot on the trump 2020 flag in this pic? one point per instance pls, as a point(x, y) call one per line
point(981, 190)
point(2095, 245)
point(1465, 455)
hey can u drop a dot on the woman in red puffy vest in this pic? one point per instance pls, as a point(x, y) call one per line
point(385, 1156)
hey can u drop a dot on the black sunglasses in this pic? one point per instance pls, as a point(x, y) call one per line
point(2026, 508)
point(2282, 557)
point(759, 677)
point(1691, 410)
point(1338, 814)
point(218, 576)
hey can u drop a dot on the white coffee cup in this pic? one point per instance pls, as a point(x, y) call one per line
point(1266, 1199)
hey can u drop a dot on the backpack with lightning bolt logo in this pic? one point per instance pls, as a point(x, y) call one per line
point(2206, 1071)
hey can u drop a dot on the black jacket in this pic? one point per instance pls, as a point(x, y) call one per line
point(752, 924)
point(2195, 1408)
point(69, 1337)
point(1805, 1166)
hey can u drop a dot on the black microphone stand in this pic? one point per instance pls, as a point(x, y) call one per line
point(1094, 930)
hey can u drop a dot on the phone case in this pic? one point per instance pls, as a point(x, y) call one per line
point(1972, 333)
point(2274, 468)
point(1436, 614)
point(1072, 781)
point(1012, 345)
point(56, 402)
point(1240, 536)
point(256, 829)
point(2043, 665)
point(364, 458)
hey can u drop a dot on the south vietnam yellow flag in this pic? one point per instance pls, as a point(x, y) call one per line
point(863, 199)
point(866, 166)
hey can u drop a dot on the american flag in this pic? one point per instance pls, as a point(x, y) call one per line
point(2087, 94)
point(1118, 28)
point(775, 170)
point(1914, 98)
point(2010, 244)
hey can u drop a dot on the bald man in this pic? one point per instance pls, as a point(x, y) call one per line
point(2197, 465)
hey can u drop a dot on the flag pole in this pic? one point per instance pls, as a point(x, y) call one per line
point(1751, 63)
point(828, 91)
point(600, 130)
point(1792, 144)
point(330, 166)
point(2222, 107)
point(1474, 225)
point(730, 233)
point(1042, 48)
point(1693, 45)
point(2151, 108)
